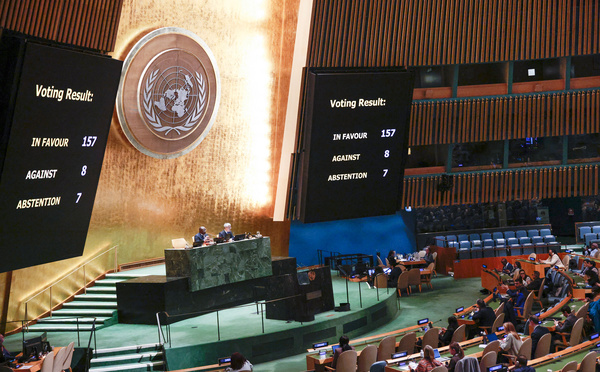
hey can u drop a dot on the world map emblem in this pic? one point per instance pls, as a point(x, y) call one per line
point(169, 95)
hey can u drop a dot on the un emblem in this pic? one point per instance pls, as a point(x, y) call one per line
point(168, 97)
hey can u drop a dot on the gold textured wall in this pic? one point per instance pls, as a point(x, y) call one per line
point(142, 203)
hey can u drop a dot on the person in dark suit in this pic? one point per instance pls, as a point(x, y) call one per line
point(446, 334)
point(521, 365)
point(566, 326)
point(536, 283)
point(226, 234)
point(507, 267)
point(394, 275)
point(201, 236)
point(537, 333)
point(484, 317)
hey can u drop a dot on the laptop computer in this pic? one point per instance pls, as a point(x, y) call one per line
point(438, 357)
point(492, 337)
point(239, 237)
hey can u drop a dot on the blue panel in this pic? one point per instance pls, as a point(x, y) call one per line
point(361, 235)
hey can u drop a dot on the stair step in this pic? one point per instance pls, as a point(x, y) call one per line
point(126, 358)
point(71, 320)
point(96, 297)
point(60, 327)
point(122, 275)
point(133, 367)
point(84, 312)
point(128, 349)
point(91, 304)
point(109, 282)
point(102, 289)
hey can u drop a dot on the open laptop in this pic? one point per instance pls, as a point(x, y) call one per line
point(438, 357)
point(239, 237)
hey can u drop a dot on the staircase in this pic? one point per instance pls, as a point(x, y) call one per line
point(139, 358)
point(99, 302)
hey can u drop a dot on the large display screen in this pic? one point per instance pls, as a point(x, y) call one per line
point(55, 127)
point(355, 142)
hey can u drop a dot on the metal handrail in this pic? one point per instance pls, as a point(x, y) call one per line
point(85, 282)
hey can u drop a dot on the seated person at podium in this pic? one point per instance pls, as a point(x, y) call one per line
point(391, 258)
point(553, 260)
point(394, 275)
point(344, 346)
point(483, 317)
point(226, 234)
point(507, 267)
point(428, 258)
point(239, 364)
point(536, 282)
point(200, 237)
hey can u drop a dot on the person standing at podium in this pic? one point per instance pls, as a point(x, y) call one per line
point(226, 234)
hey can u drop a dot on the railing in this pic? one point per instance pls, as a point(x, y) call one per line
point(321, 257)
point(166, 323)
point(85, 283)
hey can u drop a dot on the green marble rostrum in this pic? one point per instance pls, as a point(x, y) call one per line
point(225, 263)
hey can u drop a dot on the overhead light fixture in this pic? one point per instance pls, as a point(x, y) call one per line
point(531, 72)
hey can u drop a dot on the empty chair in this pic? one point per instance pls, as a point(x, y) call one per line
point(571, 366)
point(589, 362)
point(537, 240)
point(465, 244)
point(596, 229)
point(532, 233)
point(492, 346)
point(463, 237)
point(464, 254)
point(565, 260)
point(526, 245)
point(545, 232)
point(346, 362)
point(69, 358)
point(514, 246)
point(475, 239)
point(427, 278)
point(487, 360)
point(537, 295)
point(497, 235)
point(414, 278)
point(386, 348)
point(407, 343)
point(501, 242)
point(367, 357)
point(381, 280)
point(500, 309)
point(403, 283)
point(520, 234)
point(488, 243)
point(584, 230)
point(451, 238)
point(488, 251)
point(59, 359)
point(476, 252)
point(498, 322)
point(549, 239)
point(589, 237)
point(523, 314)
point(48, 363)
point(485, 236)
point(582, 312)
point(440, 241)
point(431, 338)
point(509, 234)
point(543, 346)
point(459, 334)
point(453, 244)
point(378, 366)
point(525, 348)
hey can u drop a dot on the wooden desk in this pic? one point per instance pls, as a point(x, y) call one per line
point(412, 263)
point(31, 366)
point(531, 266)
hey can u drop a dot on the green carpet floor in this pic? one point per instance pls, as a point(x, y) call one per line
point(437, 305)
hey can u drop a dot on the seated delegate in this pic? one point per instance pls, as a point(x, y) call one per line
point(201, 237)
point(226, 234)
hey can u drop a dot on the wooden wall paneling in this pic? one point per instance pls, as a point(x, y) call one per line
point(349, 58)
point(595, 180)
point(595, 114)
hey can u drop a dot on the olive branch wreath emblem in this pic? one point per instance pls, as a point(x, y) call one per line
point(155, 121)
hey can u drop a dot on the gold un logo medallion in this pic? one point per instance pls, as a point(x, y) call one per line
point(169, 93)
